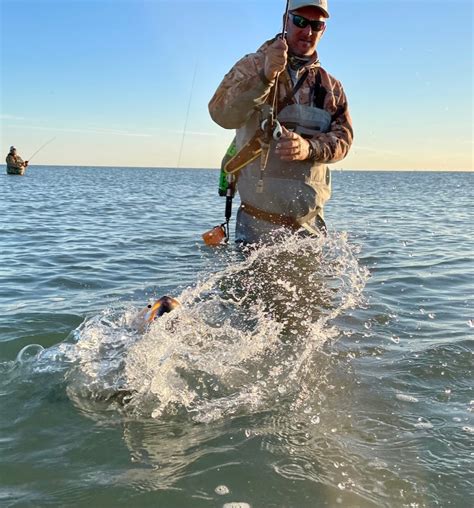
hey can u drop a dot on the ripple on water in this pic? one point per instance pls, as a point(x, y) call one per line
point(227, 349)
point(344, 426)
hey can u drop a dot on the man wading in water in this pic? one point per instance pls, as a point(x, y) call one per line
point(288, 186)
point(15, 164)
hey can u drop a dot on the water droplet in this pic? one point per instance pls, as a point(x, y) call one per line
point(406, 398)
point(423, 425)
point(29, 352)
point(222, 490)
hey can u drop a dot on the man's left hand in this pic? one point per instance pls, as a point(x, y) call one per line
point(292, 147)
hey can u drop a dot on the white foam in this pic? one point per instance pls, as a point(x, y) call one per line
point(406, 398)
point(240, 335)
point(29, 352)
point(423, 425)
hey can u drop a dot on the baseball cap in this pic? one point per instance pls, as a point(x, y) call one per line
point(320, 4)
point(12, 148)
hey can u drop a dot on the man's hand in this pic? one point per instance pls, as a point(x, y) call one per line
point(275, 59)
point(292, 147)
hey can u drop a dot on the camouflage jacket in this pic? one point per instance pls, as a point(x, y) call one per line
point(14, 162)
point(243, 91)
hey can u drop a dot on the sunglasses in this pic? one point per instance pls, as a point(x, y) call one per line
point(301, 22)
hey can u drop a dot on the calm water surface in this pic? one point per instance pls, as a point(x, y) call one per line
point(315, 373)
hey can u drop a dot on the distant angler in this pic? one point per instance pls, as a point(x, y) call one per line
point(15, 164)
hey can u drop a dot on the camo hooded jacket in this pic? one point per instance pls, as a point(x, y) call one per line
point(243, 91)
point(14, 162)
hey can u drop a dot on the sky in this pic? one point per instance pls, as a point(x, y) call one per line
point(128, 82)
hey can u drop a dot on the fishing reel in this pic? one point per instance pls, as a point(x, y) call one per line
point(277, 132)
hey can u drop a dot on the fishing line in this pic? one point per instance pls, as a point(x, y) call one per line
point(283, 34)
point(187, 116)
point(41, 148)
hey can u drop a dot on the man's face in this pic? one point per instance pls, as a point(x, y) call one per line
point(303, 41)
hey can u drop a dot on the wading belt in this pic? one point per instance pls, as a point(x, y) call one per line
point(253, 148)
point(274, 218)
point(292, 223)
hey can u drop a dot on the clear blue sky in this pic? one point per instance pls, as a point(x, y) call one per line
point(111, 79)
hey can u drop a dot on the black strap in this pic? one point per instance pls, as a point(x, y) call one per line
point(319, 92)
point(290, 96)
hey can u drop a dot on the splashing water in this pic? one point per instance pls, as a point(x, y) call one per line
point(243, 338)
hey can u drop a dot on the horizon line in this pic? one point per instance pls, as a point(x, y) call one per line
point(427, 170)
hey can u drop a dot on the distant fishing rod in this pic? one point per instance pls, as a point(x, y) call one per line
point(187, 116)
point(41, 148)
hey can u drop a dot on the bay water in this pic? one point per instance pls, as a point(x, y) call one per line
point(323, 372)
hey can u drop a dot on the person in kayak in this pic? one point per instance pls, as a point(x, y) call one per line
point(289, 186)
point(15, 164)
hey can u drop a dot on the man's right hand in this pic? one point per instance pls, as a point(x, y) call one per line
point(275, 59)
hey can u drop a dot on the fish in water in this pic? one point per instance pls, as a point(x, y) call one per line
point(154, 311)
point(141, 322)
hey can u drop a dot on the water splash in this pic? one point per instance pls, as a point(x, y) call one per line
point(244, 337)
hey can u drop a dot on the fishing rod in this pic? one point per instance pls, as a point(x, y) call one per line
point(187, 116)
point(41, 148)
point(271, 126)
